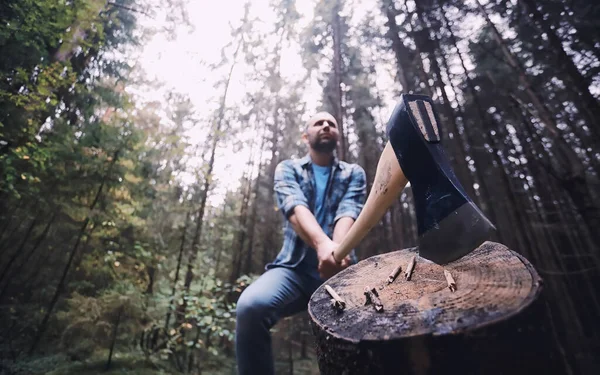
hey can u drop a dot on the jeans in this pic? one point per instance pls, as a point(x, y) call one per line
point(277, 293)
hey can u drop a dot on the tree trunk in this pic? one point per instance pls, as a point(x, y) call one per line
point(189, 275)
point(114, 338)
point(563, 295)
point(419, 59)
point(400, 50)
point(19, 250)
point(252, 223)
point(7, 218)
point(27, 257)
point(61, 283)
point(179, 259)
point(483, 158)
point(492, 323)
point(457, 152)
point(589, 105)
point(238, 250)
point(12, 234)
point(151, 276)
point(337, 72)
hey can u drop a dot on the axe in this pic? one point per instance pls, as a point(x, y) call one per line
point(449, 224)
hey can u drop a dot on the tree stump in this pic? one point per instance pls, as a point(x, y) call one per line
point(493, 323)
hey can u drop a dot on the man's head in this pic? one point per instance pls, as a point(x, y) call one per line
point(321, 133)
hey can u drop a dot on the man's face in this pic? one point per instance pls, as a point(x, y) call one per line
point(322, 132)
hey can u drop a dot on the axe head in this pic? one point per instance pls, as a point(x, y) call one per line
point(449, 224)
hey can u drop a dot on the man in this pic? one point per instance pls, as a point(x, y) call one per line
point(320, 198)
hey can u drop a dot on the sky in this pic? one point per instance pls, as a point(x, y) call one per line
point(182, 65)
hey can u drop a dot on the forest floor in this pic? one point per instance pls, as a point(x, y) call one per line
point(135, 363)
point(293, 350)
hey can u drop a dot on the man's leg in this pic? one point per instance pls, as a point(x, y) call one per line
point(277, 293)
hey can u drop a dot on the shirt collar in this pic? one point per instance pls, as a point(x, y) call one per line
point(306, 160)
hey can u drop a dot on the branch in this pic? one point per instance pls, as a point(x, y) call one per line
point(128, 8)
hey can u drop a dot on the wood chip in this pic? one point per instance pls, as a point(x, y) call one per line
point(338, 303)
point(450, 280)
point(394, 274)
point(410, 268)
point(373, 298)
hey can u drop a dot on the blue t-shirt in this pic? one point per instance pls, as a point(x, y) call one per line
point(310, 262)
point(321, 177)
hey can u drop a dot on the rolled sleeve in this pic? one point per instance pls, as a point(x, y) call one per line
point(287, 190)
point(353, 200)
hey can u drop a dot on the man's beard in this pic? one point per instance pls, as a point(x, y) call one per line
point(323, 145)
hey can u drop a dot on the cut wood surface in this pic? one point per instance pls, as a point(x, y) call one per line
point(492, 283)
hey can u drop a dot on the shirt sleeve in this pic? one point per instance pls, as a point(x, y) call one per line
point(287, 190)
point(353, 200)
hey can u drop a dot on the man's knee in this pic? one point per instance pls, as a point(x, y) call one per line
point(250, 309)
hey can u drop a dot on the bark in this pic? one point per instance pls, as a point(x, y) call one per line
point(61, 283)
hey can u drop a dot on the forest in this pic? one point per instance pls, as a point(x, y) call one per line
point(136, 182)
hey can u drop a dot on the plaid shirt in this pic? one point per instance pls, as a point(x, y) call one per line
point(295, 185)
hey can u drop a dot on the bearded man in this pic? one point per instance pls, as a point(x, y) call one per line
point(320, 197)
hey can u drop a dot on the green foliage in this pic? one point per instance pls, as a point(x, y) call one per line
point(89, 321)
point(209, 324)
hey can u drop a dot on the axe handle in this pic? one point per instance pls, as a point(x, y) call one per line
point(389, 182)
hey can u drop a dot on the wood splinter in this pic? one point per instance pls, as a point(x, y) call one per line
point(373, 297)
point(450, 280)
point(394, 274)
point(336, 302)
point(410, 268)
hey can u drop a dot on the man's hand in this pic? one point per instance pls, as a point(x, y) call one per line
point(327, 264)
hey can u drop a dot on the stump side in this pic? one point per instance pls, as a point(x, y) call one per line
point(522, 345)
point(493, 284)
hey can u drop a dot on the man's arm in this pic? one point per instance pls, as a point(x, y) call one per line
point(294, 205)
point(341, 228)
point(306, 226)
point(350, 205)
